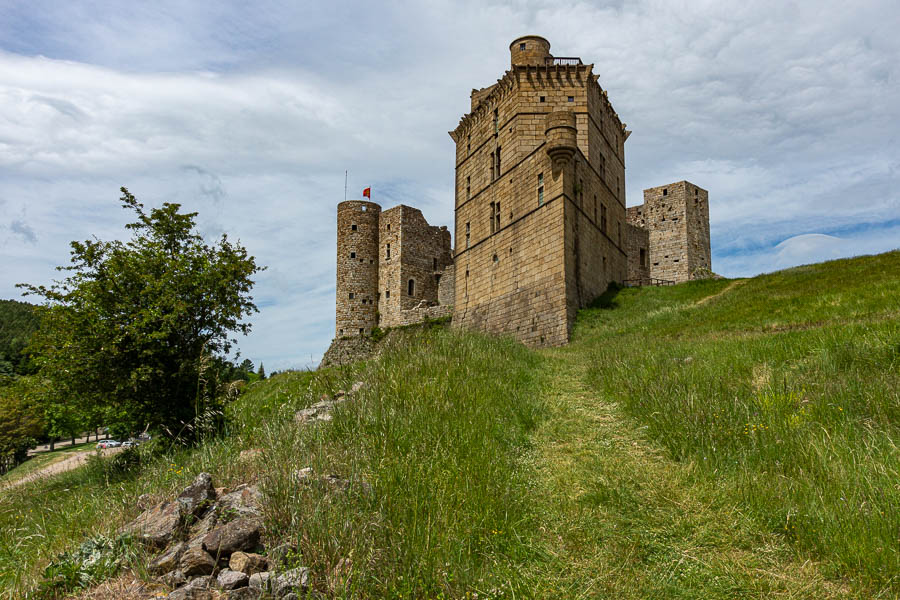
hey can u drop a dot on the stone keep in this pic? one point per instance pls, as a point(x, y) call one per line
point(540, 204)
point(670, 234)
point(393, 268)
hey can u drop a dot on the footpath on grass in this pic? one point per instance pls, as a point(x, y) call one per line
point(621, 520)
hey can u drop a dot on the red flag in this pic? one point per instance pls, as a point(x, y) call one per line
point(367, 193)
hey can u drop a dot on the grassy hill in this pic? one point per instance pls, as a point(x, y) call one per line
point(716, 439)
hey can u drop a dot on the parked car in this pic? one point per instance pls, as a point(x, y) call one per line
point(130, 443)
point(108, 444)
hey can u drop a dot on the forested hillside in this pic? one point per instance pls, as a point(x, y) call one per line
point(18, 320)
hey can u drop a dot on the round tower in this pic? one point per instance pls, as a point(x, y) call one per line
point(532, 50)
point(356, 310)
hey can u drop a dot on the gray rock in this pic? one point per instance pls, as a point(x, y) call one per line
point(260, 581)
point(243, 502)
point(295, 580)
point(198, 589)
point(229, 580)
point(168, 560)
point(197, 561)
point(240, 534)
point(356, 387)
point(244, 593)
point(248, 563)
point(195, 498)
point(174, 578)
point(157, 525)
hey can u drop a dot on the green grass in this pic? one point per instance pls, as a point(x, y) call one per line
point(718, 439)
point(783, 391)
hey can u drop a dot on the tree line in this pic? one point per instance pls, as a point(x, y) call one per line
point(134, 336)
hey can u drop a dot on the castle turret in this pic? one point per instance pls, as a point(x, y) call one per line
point(357, 268)
point(530, 50)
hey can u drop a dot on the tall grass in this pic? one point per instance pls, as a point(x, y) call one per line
point(785, 390)
point(432, 447)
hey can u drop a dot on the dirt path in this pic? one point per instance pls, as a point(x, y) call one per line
point(728, 288)
point(622, 520)
point(72, 461)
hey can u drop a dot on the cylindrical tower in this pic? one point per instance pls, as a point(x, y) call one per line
point(532, 50)
point(357, 268)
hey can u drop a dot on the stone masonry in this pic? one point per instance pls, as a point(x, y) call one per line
point(540, 206)
point(675, 218)
point(541, 227)
point(391, 268)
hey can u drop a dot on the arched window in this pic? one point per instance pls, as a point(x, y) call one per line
point(411, 287)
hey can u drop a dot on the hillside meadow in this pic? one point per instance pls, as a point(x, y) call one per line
point(717, 439)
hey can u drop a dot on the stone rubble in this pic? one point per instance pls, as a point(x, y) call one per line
point(208, 539)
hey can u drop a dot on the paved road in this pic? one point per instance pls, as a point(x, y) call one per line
point(62, 444)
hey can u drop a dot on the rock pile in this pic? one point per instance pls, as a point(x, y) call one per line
point(321, 410)
point(209, 546)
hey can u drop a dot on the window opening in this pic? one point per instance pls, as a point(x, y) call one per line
point(467, 235)
point(643, 257)
point(364, 208)
point(522, 46)
point(387, 294)
point(360, 331)
point(496, 121)
point(434, 263)
point(387, 253)
point(411, 287)
point(493, 176)
point(353, 255)
point(543, 98)
point(571, 99)
point(619, 232)
point(497, 216)
point(665, 192)
point(498, 161)
point(351, 295)
point(603, 218)
point(540, 189)
point(353, 227)
point(468, 187)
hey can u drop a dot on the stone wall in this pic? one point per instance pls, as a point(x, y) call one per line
point(677, 219)
point(357, 268)
point(638, 249)
point(447, 286)
point(526, 269)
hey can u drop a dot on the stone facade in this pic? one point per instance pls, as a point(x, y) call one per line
point(391, 268)
point(540, 207)
point(541, 227)
point(675, 218)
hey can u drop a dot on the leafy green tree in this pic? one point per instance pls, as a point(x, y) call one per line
point(20, 418)
point(134, 324)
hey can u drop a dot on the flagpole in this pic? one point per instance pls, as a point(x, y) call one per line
point(345, 185)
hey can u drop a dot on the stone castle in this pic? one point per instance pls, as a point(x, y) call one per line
point(541, 227)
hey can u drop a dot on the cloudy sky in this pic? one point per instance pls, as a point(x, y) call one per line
point(250, 113)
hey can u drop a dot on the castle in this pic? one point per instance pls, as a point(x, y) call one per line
point(541, 227)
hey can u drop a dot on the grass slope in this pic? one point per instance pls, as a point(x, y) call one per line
point(717, 439)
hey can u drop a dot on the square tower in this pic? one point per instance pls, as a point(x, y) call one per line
point(676, 219)
point(540, 201)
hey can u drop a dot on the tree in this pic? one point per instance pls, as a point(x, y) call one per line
point(21, 423)
point(262, 371)
point(133, 325)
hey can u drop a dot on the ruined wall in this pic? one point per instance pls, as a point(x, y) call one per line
point(446, 287)
point(637, 242)
point(420, 253)
point(357, 268)
point(699, 251)
point(677, 218)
